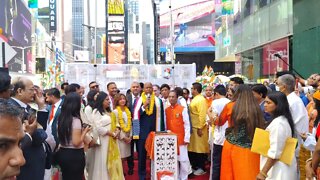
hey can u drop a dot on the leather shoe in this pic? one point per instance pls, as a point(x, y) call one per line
point(130, 171)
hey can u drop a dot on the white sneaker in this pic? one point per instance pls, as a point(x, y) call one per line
point(199, 172)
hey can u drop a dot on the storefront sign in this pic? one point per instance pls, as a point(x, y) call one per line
point(276, 57)
point(53, 15)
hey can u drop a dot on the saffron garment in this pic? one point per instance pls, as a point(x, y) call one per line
point(279, 130)
point(198, 112)
point(177, 121)
point(237, 161)
point(225, 115)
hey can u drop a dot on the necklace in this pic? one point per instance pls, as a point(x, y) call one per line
point(149, 110)
point(124, 128)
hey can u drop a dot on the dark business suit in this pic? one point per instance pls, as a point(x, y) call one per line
point(33, 152)
point(130, 159)
point(147, 124)
point(54, 131)
point(54, 125)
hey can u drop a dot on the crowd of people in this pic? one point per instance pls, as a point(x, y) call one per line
point(93, 135)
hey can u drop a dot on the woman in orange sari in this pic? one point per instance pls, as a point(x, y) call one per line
point(238, 162)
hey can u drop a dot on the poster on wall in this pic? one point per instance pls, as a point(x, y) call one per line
point(276, 56)
point(193, 25)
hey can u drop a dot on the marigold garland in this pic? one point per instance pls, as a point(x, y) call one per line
point(124, 128)
point(149, 110)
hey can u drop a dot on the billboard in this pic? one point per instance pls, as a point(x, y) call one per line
point(15, 22)
point(271, 61)
point(116, 53)
point(81, 56)
point(115, 7)
point(193, 25)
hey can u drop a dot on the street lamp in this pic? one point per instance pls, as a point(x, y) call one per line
point(23, 58)
point(95, 40)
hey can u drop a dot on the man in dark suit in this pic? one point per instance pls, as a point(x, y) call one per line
point(24, 93)
point(144, 121)
point(132, 98)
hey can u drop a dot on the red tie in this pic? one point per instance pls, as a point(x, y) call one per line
point(51, 113)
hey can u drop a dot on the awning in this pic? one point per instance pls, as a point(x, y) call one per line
point(230, 58)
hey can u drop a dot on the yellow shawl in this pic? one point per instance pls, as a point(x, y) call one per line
point(114, 163)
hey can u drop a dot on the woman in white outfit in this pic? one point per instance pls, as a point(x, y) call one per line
point(280, 128)
point(101, 117)
point(122, 116)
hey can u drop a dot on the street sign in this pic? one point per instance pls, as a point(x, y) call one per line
point(100, 55)
point(9, 52)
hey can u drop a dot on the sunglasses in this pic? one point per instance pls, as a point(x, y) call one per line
point(94, 87)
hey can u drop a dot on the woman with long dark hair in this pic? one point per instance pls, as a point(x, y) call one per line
point(71, 156)
point(237, 161)
point(108, 133)
point(280, 128)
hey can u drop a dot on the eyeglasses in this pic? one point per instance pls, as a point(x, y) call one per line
point(94, 87)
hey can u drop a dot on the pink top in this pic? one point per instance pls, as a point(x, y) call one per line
point(76, 124)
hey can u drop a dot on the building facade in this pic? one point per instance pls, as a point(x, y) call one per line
point(255, 36)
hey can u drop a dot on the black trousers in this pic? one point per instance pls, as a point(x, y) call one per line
point(197, 160)
point(216, 161)
point(142, 158)
point(72, 163)
point(130, 159)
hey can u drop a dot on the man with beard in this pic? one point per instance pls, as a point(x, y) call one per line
point(112, 92)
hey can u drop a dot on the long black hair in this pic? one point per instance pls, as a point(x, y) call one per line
point(70, 109)
point(99, 102)
point(283, 108)
point(317, 107)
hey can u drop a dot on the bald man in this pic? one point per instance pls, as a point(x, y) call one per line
point(148, 116)
point(25, 93)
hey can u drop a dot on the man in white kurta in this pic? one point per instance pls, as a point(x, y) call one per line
point(299, 114)
point(177, 121)
point(214, 111)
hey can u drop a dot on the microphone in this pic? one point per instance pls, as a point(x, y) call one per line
point(148, 96)
point(278, 56)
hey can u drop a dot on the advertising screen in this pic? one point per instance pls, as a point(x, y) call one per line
point(15, 22)
point(193, 25)
point(115, 7)
point(276, 56)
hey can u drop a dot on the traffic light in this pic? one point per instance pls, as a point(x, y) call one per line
point(33, 3)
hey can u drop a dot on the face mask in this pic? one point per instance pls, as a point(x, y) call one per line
point(277, 88)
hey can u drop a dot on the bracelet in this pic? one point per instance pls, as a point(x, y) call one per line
point(263, 174)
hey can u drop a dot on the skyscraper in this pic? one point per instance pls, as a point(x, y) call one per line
point(77, 21)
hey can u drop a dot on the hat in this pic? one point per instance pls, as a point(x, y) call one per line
point(316, 95)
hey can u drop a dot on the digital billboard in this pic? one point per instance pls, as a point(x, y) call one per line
point(15, 22)
point(115, 7)
point(193, 21)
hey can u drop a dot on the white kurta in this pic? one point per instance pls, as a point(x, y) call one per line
point(279, 130)
point(103, 125)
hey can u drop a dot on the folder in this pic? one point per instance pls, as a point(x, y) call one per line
point(261, 145)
